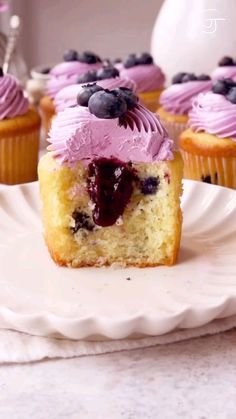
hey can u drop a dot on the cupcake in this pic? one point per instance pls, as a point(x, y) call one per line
point(19, 134)
point(176, 101)
point(148, 77)
point(208, 147)
point(107, 77)
point(62, 75)
point(110, 184)
point(226, 69)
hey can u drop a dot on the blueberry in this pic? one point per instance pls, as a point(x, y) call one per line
point(70, 55)
point(86, 92)
point(150, 185)
point(204, 77)
point(89, 57)
point(130, 61)
point(45, 70)
point(106, 105)
point(82, 220)
point(231, 96)
point(189, 77)
point(226, 61)
point(145, 58)
point(1, 72)
point(88, 77)
point(206, 179)
point(107, 72)
point(128, 95)
point(178, 78)
point(230, 83)
point(220, 87)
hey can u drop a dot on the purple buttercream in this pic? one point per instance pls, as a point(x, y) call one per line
point(147, 77)
point(12, 100)
point(67, 73)
point(177, 98)
point(214, 114)
point(78, 135)
point(224, 72)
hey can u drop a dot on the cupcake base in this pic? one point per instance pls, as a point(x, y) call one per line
point(209, 158)
point(150, 99)
point(19, 145)
point(47, 111)
point(174, 124)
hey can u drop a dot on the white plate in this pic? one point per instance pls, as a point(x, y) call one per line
point(40, 298)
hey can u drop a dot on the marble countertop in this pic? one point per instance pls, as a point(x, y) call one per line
point(194, 380)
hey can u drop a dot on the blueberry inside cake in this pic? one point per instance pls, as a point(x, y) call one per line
point(110, 184)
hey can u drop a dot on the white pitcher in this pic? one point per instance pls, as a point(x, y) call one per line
point(192, 35)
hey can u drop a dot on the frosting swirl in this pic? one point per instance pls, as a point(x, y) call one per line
point(224, 72)
point(214, 114)
point(147, 77)
point(77, 135)
point(12, 100)
point(67, 73)
point(67, 96)
point(177, 98)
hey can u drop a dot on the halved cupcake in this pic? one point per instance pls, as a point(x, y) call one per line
point(110, 184)
point(208, 147)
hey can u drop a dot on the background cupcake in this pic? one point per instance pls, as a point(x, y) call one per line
point(226, 69)
point(209, 146)
point(106, 77)
point(148, 77)
point(19, 134)
point(176, 101)
point(62, 75)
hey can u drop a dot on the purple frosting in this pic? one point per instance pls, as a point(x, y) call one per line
point(213, 114)
point(147, 77)
point(67, 73)
point(77, 135)
point(177, 98)
point(12, 100)
point(224, 72)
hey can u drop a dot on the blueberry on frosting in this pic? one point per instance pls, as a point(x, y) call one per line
point(226, 61)
point(88, 77)
point(89, 58)
point(86, 92)
point(143, 59)
point(70, 55)
point(185, 77)
point(231, 96)
point(227, 88)
point(106, 105)
point(107, 72)
point(127, 94)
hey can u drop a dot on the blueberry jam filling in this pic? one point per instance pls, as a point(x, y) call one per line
point(185, 77)
point(149, 186)
point(226, 88)
point(107, 104)
point(82, 221)
point(110, 186)
point(133, 59)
